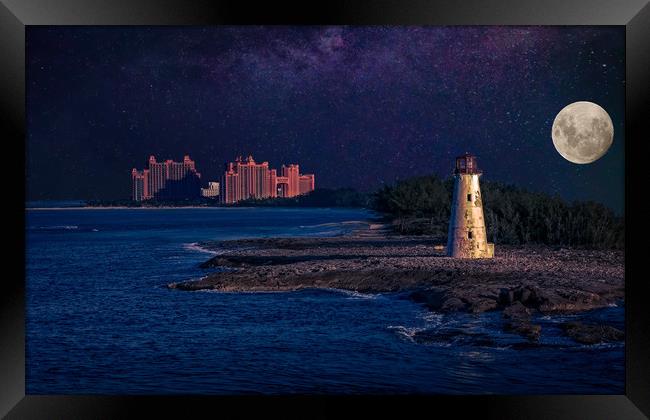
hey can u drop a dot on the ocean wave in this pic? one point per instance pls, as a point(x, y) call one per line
point(357, 295)
point(558, 319)
point(327, 233)
point(602, 346)
point(194, 246)
point(242, 292)
point(351, 294)
point(332, 224)
point(57, 227)
point(431, 317)
point(406, 332)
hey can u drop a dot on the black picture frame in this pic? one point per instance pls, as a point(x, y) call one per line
point(15, 15)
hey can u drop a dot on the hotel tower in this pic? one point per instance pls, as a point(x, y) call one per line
point(166, 180)
point(245, 179)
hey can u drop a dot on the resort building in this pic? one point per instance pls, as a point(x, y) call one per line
point(305, 183)
point(166, 180)
point(247, 179)
point(212, 191)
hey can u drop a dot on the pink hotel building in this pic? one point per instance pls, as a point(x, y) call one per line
point(166, 180)
point(244, 179)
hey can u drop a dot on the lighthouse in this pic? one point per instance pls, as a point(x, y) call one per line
point(467, 234)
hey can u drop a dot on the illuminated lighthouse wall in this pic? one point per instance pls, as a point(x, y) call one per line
point(467, 234)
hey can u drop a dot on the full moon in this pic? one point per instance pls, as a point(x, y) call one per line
point(582, 132)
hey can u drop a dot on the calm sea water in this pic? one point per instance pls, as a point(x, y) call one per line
point(100, 321)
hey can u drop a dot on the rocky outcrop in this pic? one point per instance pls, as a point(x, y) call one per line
point(592, 333)
point(557, 299)
point(518, 319)
point(518, 280)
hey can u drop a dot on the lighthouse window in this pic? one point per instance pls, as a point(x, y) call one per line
point(469, 197)
point(469, 235)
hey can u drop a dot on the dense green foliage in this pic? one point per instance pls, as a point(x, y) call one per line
point(513, 216)
point(417, 205)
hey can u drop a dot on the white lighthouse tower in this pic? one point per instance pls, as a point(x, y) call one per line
point(467, 235)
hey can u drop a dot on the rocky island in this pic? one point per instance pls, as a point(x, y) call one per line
point(519, 280)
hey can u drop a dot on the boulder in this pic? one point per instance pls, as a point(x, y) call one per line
point(524, 328)
point(592, 333)
point(516, 311)
point(483, 305)
point(453, 304)
point(433, 299)
point(525, 294)
point(518, 320)
point(506, 297)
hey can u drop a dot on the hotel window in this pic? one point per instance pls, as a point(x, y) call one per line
point(469, 197)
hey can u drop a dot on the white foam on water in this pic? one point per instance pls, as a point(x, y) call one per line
point(347, 222)
point(59, 227)
point(502, 348)
point(610, 345)
point(194, 246)
point(406, 332)
point(432, 317)
point(351, 294)
point(358, 295)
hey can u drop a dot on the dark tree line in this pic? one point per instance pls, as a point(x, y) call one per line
point(513, 216)
point(320, 197)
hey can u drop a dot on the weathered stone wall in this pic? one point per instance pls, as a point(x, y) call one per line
point(467, 236)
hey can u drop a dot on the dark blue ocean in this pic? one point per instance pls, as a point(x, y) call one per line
point(100, 320)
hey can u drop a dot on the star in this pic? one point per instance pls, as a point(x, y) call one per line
point(353, 104)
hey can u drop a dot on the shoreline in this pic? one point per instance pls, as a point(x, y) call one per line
point(519, 282)
point(181, 207)
point(125, 208)
point(130, 208)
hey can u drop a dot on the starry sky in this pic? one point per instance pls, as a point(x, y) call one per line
point(357, 106)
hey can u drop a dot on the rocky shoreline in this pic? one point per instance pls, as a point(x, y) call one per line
point(519, 281)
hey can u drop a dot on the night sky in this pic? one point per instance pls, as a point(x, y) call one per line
point(356, 106)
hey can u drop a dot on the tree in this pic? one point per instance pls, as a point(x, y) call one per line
point(421, 205)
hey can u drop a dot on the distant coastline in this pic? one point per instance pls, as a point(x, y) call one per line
point(128, 207)
point(421, 206)
point(169, 207)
